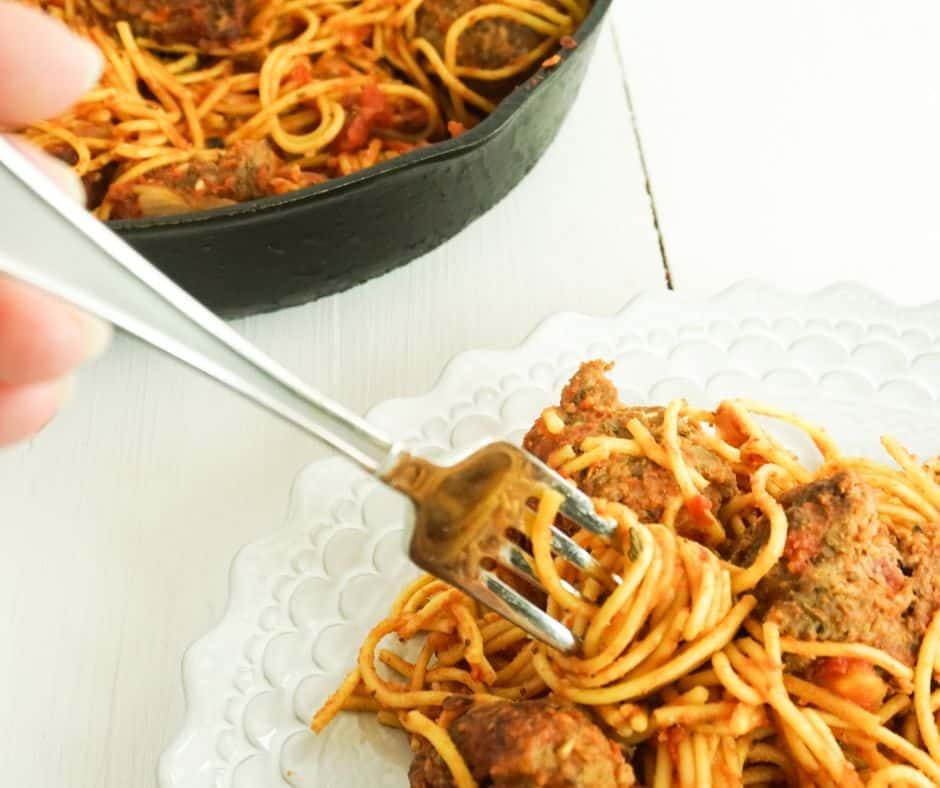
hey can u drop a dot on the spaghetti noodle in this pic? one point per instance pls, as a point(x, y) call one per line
point(697, 665)
point(298, 92)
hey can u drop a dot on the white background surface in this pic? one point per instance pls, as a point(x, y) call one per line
point(795, 143)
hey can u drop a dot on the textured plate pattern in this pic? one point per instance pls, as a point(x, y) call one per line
point(301, 601)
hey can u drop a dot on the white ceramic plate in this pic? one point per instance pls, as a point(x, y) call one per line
point(302, 601)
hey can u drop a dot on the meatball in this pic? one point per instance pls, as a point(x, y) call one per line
point(490, 43)
point(841, 576)
point(202, 23)
point(529, 744)
point(590, 406)
point(245, 171)
point(920, 561)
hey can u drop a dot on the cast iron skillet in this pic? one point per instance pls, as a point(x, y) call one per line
point(285, 250)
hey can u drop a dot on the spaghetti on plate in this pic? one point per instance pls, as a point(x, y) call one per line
point(768, 624)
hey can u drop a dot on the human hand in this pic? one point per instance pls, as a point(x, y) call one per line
point(44, 68)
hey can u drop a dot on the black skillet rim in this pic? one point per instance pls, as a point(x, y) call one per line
point(456, 146)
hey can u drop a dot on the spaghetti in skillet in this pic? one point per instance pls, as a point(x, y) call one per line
point(772, 625)
point(205, 103)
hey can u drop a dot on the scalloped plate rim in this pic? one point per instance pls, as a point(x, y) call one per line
point(743, 286)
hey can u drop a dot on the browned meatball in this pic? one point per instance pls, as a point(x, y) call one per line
point(840, 577)
point(203, 23)
point(491, 43)
point(591, 406)
point(245, 171)
point(530, 744)
point(920, 561)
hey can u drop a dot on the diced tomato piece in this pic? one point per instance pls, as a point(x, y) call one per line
point(368, 110)
point(728, 427)
point(852, 678)
point(699, 508)
point(374, 104)
point(355, 135)
point(300, 73)
point(752, 459)
point(455, 128)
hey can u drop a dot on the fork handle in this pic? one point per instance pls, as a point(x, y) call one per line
point(55, 244)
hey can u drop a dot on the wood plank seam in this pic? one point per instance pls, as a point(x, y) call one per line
point(642, 155)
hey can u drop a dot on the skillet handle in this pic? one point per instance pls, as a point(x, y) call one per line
point(55, 244)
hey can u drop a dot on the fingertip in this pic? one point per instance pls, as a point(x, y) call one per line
point(90, 62)
point(65, 390)
point(44, 85)
point(26, 410)
point(97, 335)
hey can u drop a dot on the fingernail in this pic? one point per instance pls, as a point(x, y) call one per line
point(91, 62)
point(65, 389)
point(97, 335)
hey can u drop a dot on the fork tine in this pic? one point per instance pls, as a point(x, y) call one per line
point(576, 506)
point(519, 561)
point(498, 596)
point(452, 533)
point(572, 552)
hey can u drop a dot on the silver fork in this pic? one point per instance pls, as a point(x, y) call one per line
point(462, 513)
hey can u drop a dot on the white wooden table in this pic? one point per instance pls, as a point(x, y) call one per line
point(793, 142)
